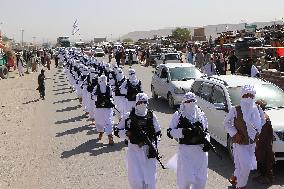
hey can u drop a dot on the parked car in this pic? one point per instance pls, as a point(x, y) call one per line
point(99, 52)
point(171, 81)
point(217, 94)
point(134, 54)
point(168, 58)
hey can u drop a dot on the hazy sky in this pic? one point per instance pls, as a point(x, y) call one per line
point(48, 19)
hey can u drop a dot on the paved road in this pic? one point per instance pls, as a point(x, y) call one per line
point(64, 153)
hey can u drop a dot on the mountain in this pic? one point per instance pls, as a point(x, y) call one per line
point(209, 30)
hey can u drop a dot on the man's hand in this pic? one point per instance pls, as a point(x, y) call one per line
point(237, 138)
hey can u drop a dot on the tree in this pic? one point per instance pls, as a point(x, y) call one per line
point(181, 34)
point(127, 40)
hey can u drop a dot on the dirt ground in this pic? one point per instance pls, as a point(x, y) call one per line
point(52, 144)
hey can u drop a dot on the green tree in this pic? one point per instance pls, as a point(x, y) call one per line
point(181, 34)
point(127, 40)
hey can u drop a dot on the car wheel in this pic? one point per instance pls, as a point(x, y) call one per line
point(154, 95)
point(230, 147)
point(171, 101)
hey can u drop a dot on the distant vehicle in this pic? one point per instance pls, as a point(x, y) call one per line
point(242, 47)
point(217, 94)
point(171, 81)
point(99, 52)
point(80, 44)
point(63, 41)
point(134, 55)
point(168, 58)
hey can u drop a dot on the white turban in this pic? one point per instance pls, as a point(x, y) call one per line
point(189, 96)
point(131, 71)
point(142, 97)
point(102, 79)
point(248, 89)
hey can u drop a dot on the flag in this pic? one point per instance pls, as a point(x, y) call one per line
point(75, 27)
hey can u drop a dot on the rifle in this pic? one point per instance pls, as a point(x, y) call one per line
point(203, 134)
point(152, 149)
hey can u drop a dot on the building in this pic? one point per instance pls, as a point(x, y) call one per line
point(100, 40)
point(199, 34)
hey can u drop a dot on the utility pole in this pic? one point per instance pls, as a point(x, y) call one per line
point(22, 31)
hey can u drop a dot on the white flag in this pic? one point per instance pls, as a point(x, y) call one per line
point(75, 27)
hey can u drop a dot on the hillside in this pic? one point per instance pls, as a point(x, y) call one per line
point(209, 30)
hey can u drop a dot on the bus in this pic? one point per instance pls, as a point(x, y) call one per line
point(63, 41)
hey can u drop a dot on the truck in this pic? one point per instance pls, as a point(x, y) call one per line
point(63, 41)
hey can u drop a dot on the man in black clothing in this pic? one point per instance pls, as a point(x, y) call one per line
point(233, 61)
point(41, 84)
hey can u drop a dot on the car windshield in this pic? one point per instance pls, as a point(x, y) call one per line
point(172, 57)
point(273, 95)
point(99, 50)
point(184, 73)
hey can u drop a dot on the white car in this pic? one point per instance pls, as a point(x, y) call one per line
point(217, 94)
point(168, 58)
point(99, 52)
point(134, 54)
point(172, 81)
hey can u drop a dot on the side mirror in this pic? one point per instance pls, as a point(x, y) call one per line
point(220, 106)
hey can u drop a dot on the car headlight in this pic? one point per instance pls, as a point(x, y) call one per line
point(179, 91)
point(280, 135)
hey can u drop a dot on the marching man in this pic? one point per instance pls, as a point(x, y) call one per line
point(131, 87)
point(191, 160)
point(140, 162)
point(102, 94)
point(243, 123)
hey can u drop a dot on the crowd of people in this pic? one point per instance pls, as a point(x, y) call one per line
point(105, 93)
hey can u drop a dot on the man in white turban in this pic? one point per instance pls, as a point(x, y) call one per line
point(102, 94)
point(131, 87)
point(243, 123)
point(191, 160)
point(140, 162)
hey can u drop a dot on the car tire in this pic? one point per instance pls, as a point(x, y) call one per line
point(171, 101)
point(230, 147)
point(3, 72)
point(154, 95)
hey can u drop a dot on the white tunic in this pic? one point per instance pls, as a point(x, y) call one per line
point(244, 155)
point(140, 168)
point(209, 69)
point(190, 161)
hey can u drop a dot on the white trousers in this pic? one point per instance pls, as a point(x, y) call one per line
point(85, 99)
point(103, 117)
point(21, 70)
point(245, 161)
point(141, 170)
point(199, 184)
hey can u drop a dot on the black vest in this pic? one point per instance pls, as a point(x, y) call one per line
point(103, 99)
point(132, 91)
point(92, 85)
point(138, 123)
point(117, 87)
point(190, 139)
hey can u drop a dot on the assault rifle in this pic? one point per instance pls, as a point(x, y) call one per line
point(152, 150)
point(203, 134)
